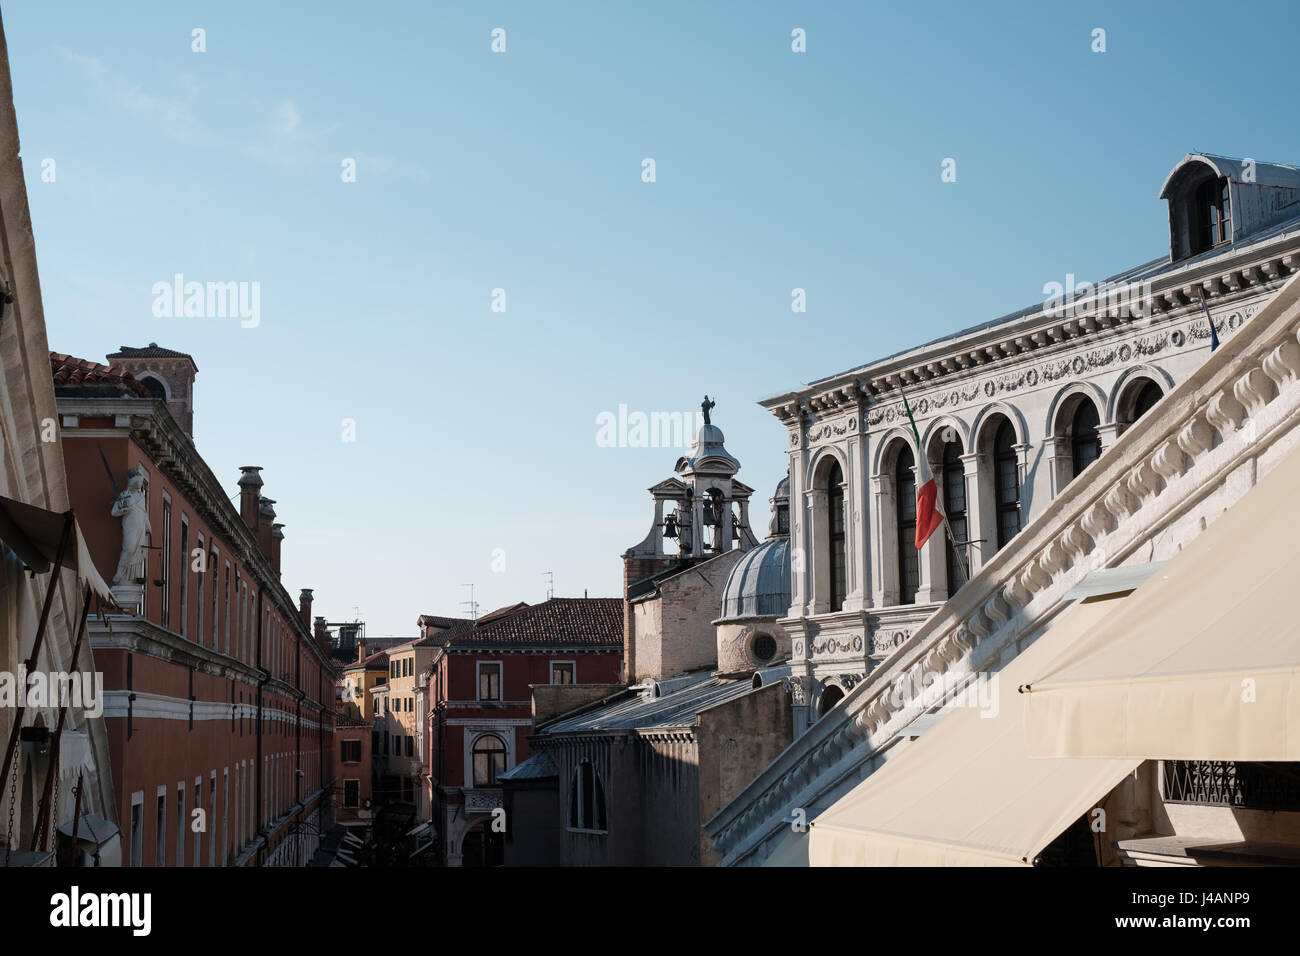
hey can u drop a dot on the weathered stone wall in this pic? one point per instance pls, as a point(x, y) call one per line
point(737, 739)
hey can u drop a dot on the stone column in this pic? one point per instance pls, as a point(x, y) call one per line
point(800, 588)
point(856, 547)
point(723, 527)
point(1060, 465)
point(697, 526)
point(817, 557)
point(981, 510)
point(1108, 434)
point(884, 540)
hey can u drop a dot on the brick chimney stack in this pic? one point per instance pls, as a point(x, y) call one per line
point(304, 607)
point(322, 634)
point(250, 490)
point(265, 528)
point(361, 648)
point(277, 536)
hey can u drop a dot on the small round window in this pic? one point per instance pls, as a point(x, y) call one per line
point(764, 647)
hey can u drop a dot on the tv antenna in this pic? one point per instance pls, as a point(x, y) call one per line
point(471, 603)
point(550, 584)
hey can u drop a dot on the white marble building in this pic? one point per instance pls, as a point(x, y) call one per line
point(1009, 412)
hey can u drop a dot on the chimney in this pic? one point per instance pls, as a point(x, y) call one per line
point(277, 536)
point(250, 490)
point(322, 634)
point(304, 607)
point(361, 648)
point(265, 527)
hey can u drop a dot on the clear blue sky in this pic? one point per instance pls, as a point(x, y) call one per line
point(476, 429)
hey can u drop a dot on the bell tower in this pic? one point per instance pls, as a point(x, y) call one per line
point(703, 510)
point(167, 374)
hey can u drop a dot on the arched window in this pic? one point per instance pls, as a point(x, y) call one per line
point(1006, 481)
point(154, 387)
point(909, 563)
point(835, 524)
point(954, 507)
point(1085, 443)
point(1146, 399)
point(830, 697)
point(586, 799)
point(489, 760)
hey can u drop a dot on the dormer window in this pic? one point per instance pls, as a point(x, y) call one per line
point(1212, 215)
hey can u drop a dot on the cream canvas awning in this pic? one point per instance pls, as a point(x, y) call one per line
point(1204, 661)
point(967, 793)
point(34, 533)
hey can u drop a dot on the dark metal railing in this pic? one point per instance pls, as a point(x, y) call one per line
point(1227, 783)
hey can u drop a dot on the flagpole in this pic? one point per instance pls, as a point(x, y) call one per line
point(961, 556)
point(1214, 336)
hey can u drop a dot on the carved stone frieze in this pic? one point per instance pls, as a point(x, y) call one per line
point(1059, 369)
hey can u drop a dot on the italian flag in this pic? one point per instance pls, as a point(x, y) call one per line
point(928, 515)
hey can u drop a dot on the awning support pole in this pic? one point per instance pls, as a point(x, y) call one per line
point(46, 811)
point(69, 522)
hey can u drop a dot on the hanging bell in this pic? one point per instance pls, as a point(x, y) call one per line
point(670, 525)
point(710, 514)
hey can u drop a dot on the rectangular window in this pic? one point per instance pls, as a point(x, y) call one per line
point(410, 746)
point(185, 576)
point(225, 608)
point(160, 846)
point(562, 672)
point(212, 819)
point(166, 563)
point(180, 825)
point(216, 581)
point(351, 793)
point(198, 804)
point(199, 577)
point(137, 828)
point(225, 815)
point(239, 617)
point(387, 738)
point(351, 750)
point(489, 681)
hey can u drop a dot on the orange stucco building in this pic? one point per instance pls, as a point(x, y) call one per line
point(218, 695)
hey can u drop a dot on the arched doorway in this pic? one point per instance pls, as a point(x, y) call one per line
point(482, 846)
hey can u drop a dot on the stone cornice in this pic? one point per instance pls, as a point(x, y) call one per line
point(1225, 416)
point(136, 635)
point(139, 636)
point(1225, 280)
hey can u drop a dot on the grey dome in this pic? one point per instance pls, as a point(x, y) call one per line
point(759, 585)
point(709, 455)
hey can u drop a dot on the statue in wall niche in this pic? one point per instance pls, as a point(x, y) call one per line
point(131, 506)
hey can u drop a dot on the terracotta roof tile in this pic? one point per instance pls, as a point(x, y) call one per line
point(559, 622)
point(72, 372)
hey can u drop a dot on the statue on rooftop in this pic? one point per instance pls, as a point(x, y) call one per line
point(131, 506)
point(705, 406)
